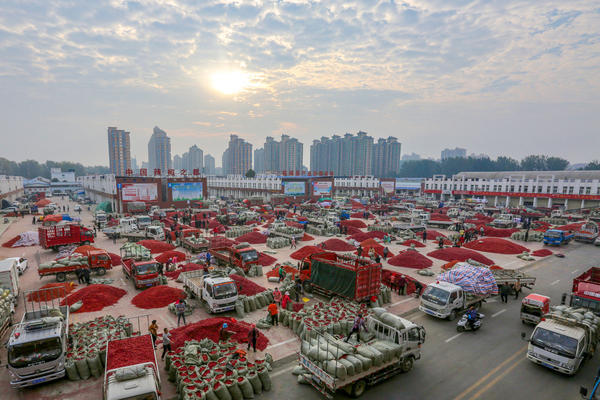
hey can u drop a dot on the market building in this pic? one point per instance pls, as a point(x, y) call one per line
point(537, 189)
point(11, 187)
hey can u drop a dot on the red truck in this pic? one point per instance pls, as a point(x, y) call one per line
point(143, 274)
point(586, 291)
point(131, 370)
point(52, 237)
point(241, 255)
point(97, 260)
point(346, 276)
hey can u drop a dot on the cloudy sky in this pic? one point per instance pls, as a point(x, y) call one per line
point(498, 77)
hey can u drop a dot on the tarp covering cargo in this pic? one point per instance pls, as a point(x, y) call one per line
point(476, 280)
point(104, 206)
point(338, 280)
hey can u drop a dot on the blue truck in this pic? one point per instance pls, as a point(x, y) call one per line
point(556, 237)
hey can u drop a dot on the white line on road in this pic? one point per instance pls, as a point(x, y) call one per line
point(400, 302)
point(574, 272)
point(282, 343)
point(498, 313)
point(555, 282)
point(283, 371)
point(491, 300)
point(453, 337)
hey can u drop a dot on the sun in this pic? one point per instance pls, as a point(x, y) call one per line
point(230, 82)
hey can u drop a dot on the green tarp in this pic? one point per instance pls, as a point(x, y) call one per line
point(104, 206)
point(337, 280)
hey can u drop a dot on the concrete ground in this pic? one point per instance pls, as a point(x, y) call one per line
point(283, 343)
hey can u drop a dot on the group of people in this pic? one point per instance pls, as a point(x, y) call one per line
point(83, 275)
point(399, 283)
point(506, 289)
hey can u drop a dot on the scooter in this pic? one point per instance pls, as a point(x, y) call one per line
point(463, 323)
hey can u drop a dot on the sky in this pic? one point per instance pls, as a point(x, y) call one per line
point(498, 77)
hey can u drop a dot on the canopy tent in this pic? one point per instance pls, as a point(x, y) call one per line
point(104, 206)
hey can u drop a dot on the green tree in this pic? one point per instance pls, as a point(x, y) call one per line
point(592, 166)
point(556, 164)
point(419, 169)
point(250, 173)
point(506, 164)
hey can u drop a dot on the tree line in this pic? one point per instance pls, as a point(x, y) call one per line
point(451, 166)
point(31, 169)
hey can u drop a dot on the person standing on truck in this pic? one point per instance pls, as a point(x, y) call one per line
point(252, 337)
point(153, 329)
point(180, 309)
point(273, 311)
point(277, 296)
point(359, 322)
point(166, 343)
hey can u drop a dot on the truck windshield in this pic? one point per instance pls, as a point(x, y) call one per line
point(45, 350)
point(146, 269)
point(436, 295)
point(225, 290)
point(533, 310)
point(553, 234)
point(555, 342)
point(250, 255)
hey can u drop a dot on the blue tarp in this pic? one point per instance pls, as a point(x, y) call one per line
point(478, 280)
point(67, 217)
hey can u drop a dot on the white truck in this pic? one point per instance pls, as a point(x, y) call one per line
point(446, 300)
point(409, 336)
point(37, 346)
point(131, 370)
point(101, 218)
point(155, 232)
point(9, 277)
point(126, 225)
point(562, 343)
point(216, 291)
point(142, 221)
point(504, 221)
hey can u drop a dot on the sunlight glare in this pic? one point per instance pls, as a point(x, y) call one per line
point(230, 82)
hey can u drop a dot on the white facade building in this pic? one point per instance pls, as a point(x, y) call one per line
point(11, 187)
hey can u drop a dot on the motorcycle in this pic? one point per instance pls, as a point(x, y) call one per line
point(463, 323)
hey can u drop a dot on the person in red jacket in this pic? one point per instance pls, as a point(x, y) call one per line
point(273, 312)
point(286, 299)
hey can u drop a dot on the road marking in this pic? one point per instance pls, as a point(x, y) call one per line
point(491, 300)
point(574, 272)
point(498, 313)
point(555, 282)
point(492, 372)
point(283, 371)
point(453, 337)
point(496, 379)
point(282, 343)
point(400, 302)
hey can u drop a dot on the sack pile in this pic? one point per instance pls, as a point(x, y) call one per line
point(247, 304)
point(87, 353)
point(136, 251)
point(6, 305)
point(382, 228)
point(73, 260)
point(581, 316)
point(534, 236)
point(278, 242)
point(237, 231)
point(288, 230)
point(207, 370)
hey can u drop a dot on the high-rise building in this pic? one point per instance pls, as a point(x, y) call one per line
point(209, 165)
point(386, 157)
point(454, 153)
point(271, 155)
point(345, 156)
point(119, 151)
point(177, 162)
point(237, 159)
point(159, 151)
point(195, 159)
point(285, 155)
point(259, 161)
point(134, 164)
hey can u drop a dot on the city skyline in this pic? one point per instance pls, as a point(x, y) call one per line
point(496, 78)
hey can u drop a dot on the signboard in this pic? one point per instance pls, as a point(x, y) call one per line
point(139, 192)
point(321, 188)
point(294, 188)
point(388, 186)
point(186, 191)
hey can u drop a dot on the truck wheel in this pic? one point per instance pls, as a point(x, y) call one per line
point(307, 287)
point(101, 271)
point(452, 316)
point(407, 364)
point(358, 388)
point(61, 277)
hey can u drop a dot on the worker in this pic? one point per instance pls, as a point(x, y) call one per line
point(153, 329)
point(252, 337)
point(281, 273)
point(166, 343)
point(386, 251)
point(277, 296)
point(223, 333)
point(359, 250)
point(208, 257)
point(180, 307)
point(359, 322)
point(401, 283)
point(286, 299)
point(441, 242)
point(298, 288)
point(86, 275)
point(273, 312)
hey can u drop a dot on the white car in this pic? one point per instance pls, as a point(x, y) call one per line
point(77, 208)
point(21, 263)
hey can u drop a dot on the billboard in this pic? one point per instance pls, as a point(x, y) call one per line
point(388, 186)
point(139, 192)
point(186, 191)
point(294, 188)
point(321, 188)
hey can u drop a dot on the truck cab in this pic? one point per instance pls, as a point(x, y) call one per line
point(155, 232)
point(127, 225)
point(504, 221)
point(142, 221)
point(219, 293)
point(101, 218)
point(444, 300)
point(558, 346)
point(143, 273)
point(557, 237)
point(37, 347)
